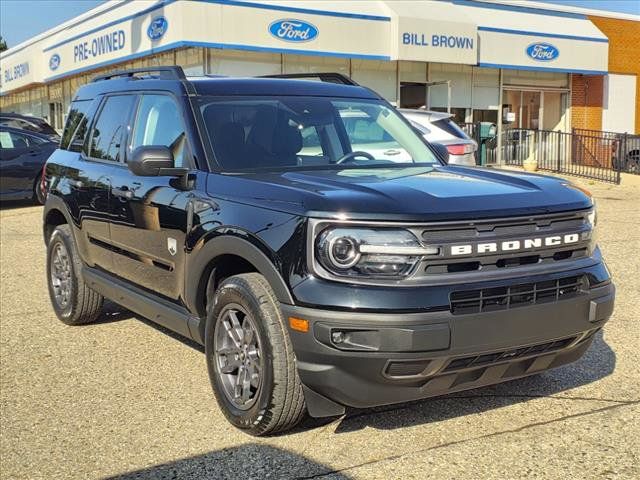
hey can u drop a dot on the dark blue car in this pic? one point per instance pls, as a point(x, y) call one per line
point(22, 156)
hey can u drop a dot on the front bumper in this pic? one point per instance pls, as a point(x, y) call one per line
point(359, 359)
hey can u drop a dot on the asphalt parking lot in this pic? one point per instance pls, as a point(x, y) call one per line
point(123, 399)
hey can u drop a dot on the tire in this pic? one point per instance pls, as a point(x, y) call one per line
point(73, 301)
point(273, 401)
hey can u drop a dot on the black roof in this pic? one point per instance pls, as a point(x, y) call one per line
point(276, 86)
point(222, 86)
point(41, 136)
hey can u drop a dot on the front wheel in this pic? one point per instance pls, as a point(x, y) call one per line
point(250, 358)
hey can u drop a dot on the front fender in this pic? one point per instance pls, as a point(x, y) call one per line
point(230, 244)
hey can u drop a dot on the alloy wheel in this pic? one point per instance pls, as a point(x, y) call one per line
point(238, 356)
point(61, 275)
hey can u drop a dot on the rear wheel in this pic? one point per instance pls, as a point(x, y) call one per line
point(72, 300)
point(250, 358)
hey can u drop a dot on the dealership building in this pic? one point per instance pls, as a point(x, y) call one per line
point(523, 64)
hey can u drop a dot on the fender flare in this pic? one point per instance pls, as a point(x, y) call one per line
point(54, 202)
point(231, 245)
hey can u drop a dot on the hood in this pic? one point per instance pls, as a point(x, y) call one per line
point(409, 194)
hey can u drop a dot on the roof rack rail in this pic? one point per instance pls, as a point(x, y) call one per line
point(328, 77)
point(168, 73)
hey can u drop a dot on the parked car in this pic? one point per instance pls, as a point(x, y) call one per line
point(29, 123)
point(22, 156)
point(440, 128)
point(316, 280)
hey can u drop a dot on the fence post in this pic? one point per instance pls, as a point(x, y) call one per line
point(558, 140)
point(476, 135)
point(622, 152)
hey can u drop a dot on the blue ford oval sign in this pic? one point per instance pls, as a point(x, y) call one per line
point(291, 30)
point(542, 52)
point(157, 28)
point(54, 62)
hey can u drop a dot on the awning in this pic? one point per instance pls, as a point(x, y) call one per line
point(432, 31)
point(535, 39)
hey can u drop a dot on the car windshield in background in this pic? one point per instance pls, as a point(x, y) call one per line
point(250, 133)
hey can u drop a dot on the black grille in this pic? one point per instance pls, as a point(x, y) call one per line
point(498, 231)
point(406, 369)
point(512, 296)
point(507, 355)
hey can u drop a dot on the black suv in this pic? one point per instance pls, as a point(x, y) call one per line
point(322, 263)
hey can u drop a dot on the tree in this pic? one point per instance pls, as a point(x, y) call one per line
point(3, 44)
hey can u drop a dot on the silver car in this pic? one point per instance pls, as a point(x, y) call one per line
point(437, 127)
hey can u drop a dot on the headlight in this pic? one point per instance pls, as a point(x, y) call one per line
point(592, 218)
point(367, 252)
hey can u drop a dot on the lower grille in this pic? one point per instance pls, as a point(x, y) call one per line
point(513, 296)
point(497, 357)
point(406, 369)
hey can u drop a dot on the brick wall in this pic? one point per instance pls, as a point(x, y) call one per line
point(586, 101)
point(624, 50)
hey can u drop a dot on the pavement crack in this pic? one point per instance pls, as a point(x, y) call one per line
point(466, 440)
point(485, 395)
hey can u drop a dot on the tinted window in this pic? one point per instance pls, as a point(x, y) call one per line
point(109, 129)
point(15, 140)
point(290, 132)
point(158, 122)
point(77, 114)
point(450, 127)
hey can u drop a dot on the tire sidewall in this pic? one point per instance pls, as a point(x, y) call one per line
point(234, 292)
point(59, 236)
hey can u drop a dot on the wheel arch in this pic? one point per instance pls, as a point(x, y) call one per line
point(202, 270)
point(54, 214)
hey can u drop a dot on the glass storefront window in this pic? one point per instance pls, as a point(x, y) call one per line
point(485, 116)
point(312, 64)
point(191, 60)
point(378, 75)
point(459, 114)
point(242, 63)
point(535, 78)
point(460, 78)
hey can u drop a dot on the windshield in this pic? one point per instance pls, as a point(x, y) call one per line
point(249, 133)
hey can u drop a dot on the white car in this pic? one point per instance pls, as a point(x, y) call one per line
point(437, 127)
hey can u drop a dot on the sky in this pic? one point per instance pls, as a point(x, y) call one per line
point(23, 19)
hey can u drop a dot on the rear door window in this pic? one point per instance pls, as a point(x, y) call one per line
point(77, 115)
point(450, 127)
point(15, 140)
point(108, 132)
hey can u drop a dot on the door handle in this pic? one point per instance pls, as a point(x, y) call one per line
point(122, 192)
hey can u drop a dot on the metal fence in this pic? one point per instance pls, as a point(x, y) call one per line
point(590, 155)
point(627, 155)
point(587, 153)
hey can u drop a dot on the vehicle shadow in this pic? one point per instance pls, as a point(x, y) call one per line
point(598, 362)
point(244, 461)
point(15, 204)
point(112, 312)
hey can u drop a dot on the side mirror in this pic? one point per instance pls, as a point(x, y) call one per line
point(442, 151)
point(154, 161)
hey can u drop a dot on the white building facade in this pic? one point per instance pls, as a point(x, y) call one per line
point(481, 60)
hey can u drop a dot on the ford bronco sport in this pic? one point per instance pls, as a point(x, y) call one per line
point(322, 263)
